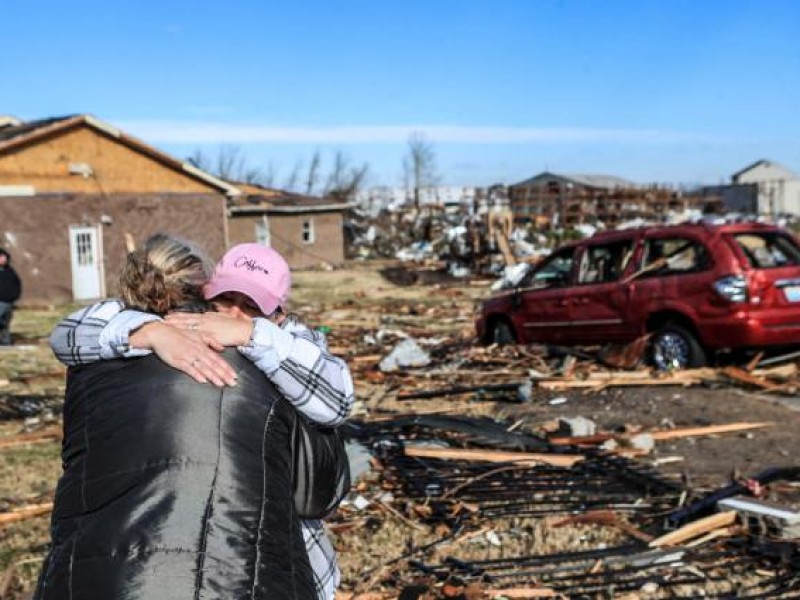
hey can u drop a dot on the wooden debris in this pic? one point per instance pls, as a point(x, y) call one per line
point(743, 376)
point(457, 390)
point(695, 529)
point(522, 593)
point(751, 366)
point(556, 460)
point(624, 356)
point(660, 436)
point(605, 517)
point(7, 579)
point(25, 512)
point(35, 437)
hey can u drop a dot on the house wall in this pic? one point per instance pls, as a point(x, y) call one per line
point(764, 172)
point(779, 196)
point(35, 230)
point(286, 236)
point(117, 168)
point(735, 198)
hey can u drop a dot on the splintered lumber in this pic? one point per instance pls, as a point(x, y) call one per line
point(365, 596)
point(522, 593)
point(743, 376)
point(25, 512)
point(7, 579)
point(660, 436)
point(35, 437)
point(556, 460)
point(608, 518)
point(600, 380)
point(695, 529)
point(459, 389)
point(624, 356)
point(365, 359)
point(672, 434)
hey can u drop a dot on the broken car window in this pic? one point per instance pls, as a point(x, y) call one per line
point(673, 256)
point(606, 263)
point(553, 273)
point(768, 250)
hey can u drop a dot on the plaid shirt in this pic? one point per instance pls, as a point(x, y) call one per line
point(295, 358)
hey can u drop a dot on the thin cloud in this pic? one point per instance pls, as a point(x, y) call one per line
point(184, 132)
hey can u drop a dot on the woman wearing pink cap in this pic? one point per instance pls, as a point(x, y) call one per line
point(249, 288)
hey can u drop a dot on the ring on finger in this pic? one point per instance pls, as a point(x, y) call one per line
point(194, 326)
point(195, 362)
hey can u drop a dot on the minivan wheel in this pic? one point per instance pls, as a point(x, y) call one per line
point(501, 333)
point(674, 347)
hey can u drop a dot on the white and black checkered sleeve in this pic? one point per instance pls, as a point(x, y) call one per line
point(298, 362)
point(97, 332)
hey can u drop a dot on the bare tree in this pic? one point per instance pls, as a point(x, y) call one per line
point(419, 165)
point(294, 177)
point(270, 175)
point(313, 172)
point(230, 163)
point(345, 179)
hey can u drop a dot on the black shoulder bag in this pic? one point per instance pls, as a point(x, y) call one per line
point(321, 469)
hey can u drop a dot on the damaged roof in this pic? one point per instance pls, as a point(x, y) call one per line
point(17, 135)
point(260, 199)
point(592, 180)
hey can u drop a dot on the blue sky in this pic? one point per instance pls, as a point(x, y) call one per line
point(653, 90)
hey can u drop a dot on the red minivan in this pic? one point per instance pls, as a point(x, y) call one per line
point(696, 288)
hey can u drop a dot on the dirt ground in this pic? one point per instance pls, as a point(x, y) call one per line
point(357, 302)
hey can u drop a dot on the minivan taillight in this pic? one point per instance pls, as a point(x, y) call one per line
point(733, 288)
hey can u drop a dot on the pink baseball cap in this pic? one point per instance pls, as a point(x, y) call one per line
point(254, 270)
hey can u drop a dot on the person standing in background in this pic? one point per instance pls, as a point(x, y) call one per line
point(10, 290)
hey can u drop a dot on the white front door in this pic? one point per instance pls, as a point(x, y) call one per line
point(85, 253)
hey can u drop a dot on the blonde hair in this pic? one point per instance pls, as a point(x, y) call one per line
point(165, 273)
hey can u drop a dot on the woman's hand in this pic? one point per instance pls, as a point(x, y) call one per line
point(225, 330)
point(187, 351)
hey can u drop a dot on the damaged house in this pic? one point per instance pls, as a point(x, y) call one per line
point(307, 230)
point(73, 188)
point(569, 199)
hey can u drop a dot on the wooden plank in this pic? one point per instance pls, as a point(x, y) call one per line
point(672, 434)
point(25, 512)
point(608, 518)
point(667, 434)
point(35, 437)
point(557, 460)
point(695, 529)
point(522, 593)
point(743, 376)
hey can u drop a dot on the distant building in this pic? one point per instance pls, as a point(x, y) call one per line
point(762, 188)
point(306, 230)
point(570, 199)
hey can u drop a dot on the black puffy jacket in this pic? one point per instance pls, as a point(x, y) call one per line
point(174, 490)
